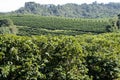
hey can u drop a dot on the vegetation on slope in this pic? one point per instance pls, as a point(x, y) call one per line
point(94, 10)
point(37, 25)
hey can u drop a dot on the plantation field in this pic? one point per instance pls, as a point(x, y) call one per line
point(84, 57)
point(37, 25)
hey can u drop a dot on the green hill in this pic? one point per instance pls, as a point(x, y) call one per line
point(37, 25)
point(94, 10)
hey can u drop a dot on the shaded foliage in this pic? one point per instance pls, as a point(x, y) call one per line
point(6, 22)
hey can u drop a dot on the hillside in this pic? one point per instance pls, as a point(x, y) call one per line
point(94, 10)
point(38, 25)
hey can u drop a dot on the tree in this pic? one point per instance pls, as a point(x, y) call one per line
point(6, 22)
point(118, 21)
point(7, 27)
point(112, 25)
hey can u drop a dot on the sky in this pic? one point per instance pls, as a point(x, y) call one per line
point(11, 5)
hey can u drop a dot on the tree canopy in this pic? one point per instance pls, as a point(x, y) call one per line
point(5, 22)
point(94, 10)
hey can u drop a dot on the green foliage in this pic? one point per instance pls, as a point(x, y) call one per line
point(19, 59)
point(37, 25)
point(118, 22)
point(94, 10)
point(6, 22)
point(102, 56)
point(7, 26)
point(85, 57)
point(112, 27)
point(8, 30)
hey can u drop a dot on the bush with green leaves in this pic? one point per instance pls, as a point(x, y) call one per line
point(84, 57)
point(102, 55)
point(7, 27)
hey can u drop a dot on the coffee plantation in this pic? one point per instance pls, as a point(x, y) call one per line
point(83, 57)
